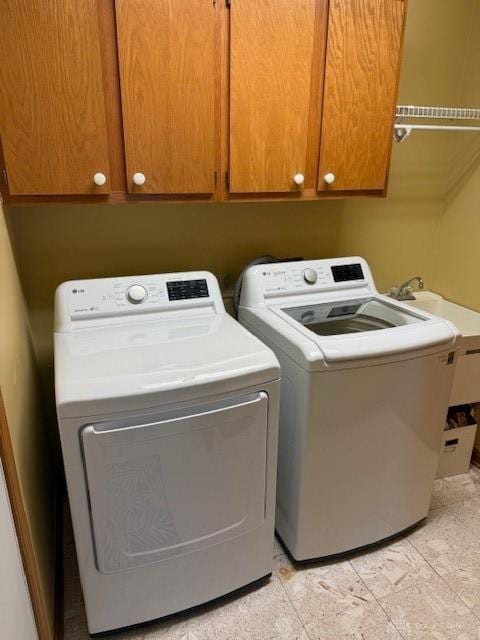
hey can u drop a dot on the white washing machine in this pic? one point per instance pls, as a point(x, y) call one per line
point(168, 417)
point(365, 388)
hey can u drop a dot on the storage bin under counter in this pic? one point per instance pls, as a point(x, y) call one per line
point(457, 445)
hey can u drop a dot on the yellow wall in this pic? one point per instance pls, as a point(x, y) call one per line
point(21, 396)
point(397, 234)
point(457, 275)
point(457, 268)
point(408, 233)
point(428, 225)
point(58, 243)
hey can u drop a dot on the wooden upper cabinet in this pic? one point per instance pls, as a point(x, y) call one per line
point(167, 77)
point(271, 50)
point(166, 97)
point(361, 77)
point(52, 108)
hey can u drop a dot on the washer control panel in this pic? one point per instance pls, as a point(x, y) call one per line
point(280, 278)
point(347, 272)
point(102, 297)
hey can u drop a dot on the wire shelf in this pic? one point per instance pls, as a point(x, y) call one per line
point(441, 113)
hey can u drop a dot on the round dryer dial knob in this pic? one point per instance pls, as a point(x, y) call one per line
point(310, 276)
point(136, 294)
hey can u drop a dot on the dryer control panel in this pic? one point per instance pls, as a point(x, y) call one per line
point(82, 303)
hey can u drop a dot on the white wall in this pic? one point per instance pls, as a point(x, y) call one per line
point(16, 616)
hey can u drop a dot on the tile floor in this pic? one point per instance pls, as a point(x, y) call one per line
point(425, 585)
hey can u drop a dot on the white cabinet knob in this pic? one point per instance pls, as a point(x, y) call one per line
point(99, 179)
point(329, 178)
point(299, 179)
point(139, 179)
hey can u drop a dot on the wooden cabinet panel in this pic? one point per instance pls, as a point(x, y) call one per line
point(361, 77)
point(271, 51)
point(52, 109)
point(167, 75)
point(259, 89)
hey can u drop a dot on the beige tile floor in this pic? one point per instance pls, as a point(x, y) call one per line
point(425, 585)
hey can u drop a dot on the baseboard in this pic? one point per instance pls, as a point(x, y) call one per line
point(59, 586)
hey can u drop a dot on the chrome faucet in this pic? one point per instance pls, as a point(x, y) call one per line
point(404, 291)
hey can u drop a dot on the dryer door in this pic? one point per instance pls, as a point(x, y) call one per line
point(163, 488)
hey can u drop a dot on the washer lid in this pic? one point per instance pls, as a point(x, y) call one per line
point(328, 313)
point(351, 316)
point(110, 369)
point(343, 332)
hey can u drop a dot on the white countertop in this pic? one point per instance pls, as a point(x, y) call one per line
point(466, 320)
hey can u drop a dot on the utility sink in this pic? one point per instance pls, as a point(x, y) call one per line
point(466, 384)
point(466, 320)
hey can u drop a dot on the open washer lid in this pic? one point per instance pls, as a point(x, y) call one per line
point(351, 316)
point(354, 329)
point(327, 313)
point(120, 357)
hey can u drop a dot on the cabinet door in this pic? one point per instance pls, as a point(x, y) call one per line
point(271, 49)
point(52, 107)
point(167, 75)
point(361, 78)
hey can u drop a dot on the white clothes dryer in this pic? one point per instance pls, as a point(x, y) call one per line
point(364, 395)
point(168, 418)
